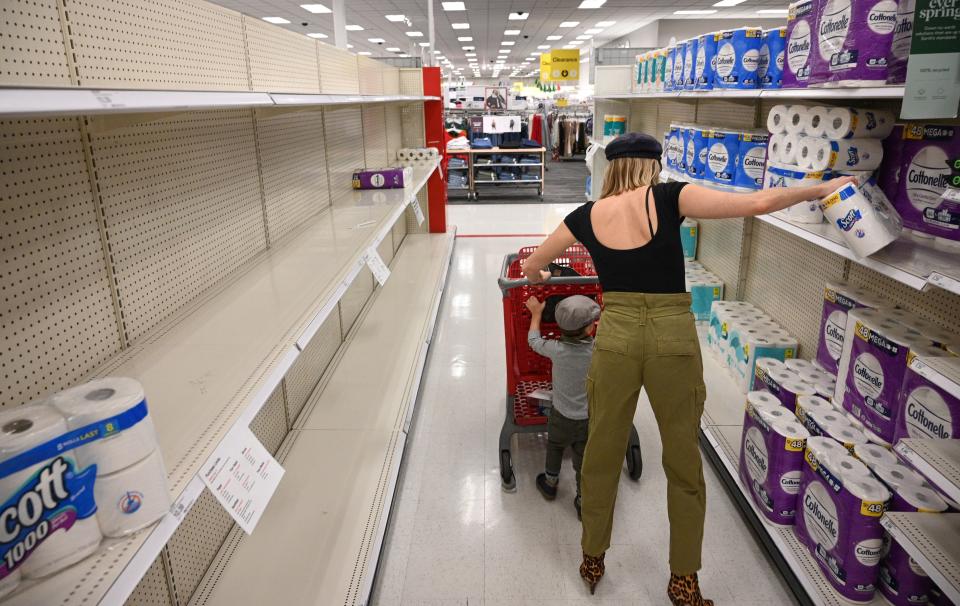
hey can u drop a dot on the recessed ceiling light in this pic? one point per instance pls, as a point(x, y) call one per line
point(507, 43)
point(584, 37)
point(772, 11)
point(465, 39)
point(568, 46)
point(544, 46)
point(470, 54)
point(576, 42)
point(592, 3)
point(275, 20)
point(318, 36)
point(376, 40)
point(365, 53)
point(354, 28)
point(424, 44)
point(595, 30)
point(695, 12)
point(570, 24)
point(415, 34)
point(393, 49)
point(469, 48)
point(536, 54)
point(315, 8)
point(511, 32)
point(726, 3)
point(436, 52)
point(518, 16)
point(453, 6)
point(554, 37)
point(504, 51)
point(530, 59)
point(396, 18)
point(605, 23)
point(460, 25)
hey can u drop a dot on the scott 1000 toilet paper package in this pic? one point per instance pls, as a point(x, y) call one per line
point(865, 219)
point(78, 465)
point(840, 506)
point(930, 399)
point(771, 457)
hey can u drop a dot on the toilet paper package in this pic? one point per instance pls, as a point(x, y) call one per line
point(751, 160)
point(874, 456)
point(838, 299)
point(679, 64)
point(382, 178)
point(688, 238)
point(132, 498)
point(926, 155)
point(683, 137)
point(850, 123)
point(673, 147)
point(900, 46)
point(721, 159)
point(853, 40)
point(738, 58)
point(816, 153)
point(865, 219)
point(771, 459)
point(696, 163)
point(930, 399)
point(704, 290)
point(723, 315)
point(822, 418)
point(48, 507)
point(772, 56)
point(775, 149)
point(745, 348)
point(888, 175)
point(801, 25)
point(875, 375)
point(839, 520)
point(769, 375)
point(782, 175)
point(668, 69)
point(705, 66)
point(881, 318)
point(689, 64)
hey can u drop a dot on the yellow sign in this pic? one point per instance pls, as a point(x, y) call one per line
point(562, 102)
point(564, 65)
point(545, 67)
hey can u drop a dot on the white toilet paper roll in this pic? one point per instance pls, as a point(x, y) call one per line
point(842, 430)
point(770, 365)
point(22, 429)
point(922, 498)
point(866, 227)
point(132, 498)
point(848, 467)
point(761, 400)
point(897, 475)
point(9, 583)
point(797, 117)
point(873, 455)
point(848, 123)
point(790, 150)
point(777, 119)
point(814, 153)
point(807, 212)
point(856, 154)
point(775, 147)
point(797, 365)
point(99, 400)
point(816, 121)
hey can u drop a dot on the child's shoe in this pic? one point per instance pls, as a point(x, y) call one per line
point(576, 503)
point(547, 488)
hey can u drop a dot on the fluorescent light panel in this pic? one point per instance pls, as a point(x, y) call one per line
point(393, 49)
point(317, 9)
point(605, 23)
point(584, 37)
point(595, 30)
point(396, 18)
point(543, 47)
point(570, 24)
point(424, 44)
point(365, 53)
point(726, 3)
point(511, 32)
point(695, 12)
point(318, 36)
point(460, 25)
point(465, 39)
point(275, 20)
point(453, 6)
point(568, 46)
point(518, 16)
point(554, 37)
point(415, 34)
point(376, 40)
point(354, 28)
point(507, 43)
point(592, 3)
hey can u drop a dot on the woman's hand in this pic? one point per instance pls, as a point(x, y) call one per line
point(533, 274)
point(828, 187)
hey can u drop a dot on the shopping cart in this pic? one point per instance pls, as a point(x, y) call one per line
point(528, 371)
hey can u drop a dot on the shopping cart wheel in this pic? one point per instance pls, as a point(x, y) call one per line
point(507, 480)
point(540, 192)
point(634, 462)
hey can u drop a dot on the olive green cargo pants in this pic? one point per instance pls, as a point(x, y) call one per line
point(646, 341)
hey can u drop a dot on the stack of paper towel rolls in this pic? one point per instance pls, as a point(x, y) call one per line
point(131, 488)
point(417, 156)
point(23, 429)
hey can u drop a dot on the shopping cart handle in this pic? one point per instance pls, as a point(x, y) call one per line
point(506, 283)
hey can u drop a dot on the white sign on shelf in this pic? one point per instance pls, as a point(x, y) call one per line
point(243, 476)
point(380, 270)
point(417, 209)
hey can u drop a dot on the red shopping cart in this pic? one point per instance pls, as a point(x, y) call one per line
point(528, 371)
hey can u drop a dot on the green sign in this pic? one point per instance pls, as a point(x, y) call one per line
point(933, 72)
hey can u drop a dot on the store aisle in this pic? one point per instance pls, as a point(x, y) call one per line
point(456, 538)
point(565, 183)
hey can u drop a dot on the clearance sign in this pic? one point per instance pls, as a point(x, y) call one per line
point(564, 65)
point(545, 67)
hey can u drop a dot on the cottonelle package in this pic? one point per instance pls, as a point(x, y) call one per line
point(839, 519)
point(695, 152)
point(927, 151)
point(706, 64)
point(772, 58)
point(821, 418)
point(738, 58)
point(751, 160)
point(689, 64)
point(838, 299)
point(930, 399)
point(722, 146)
point(771, 457)
point(853, 40)
point(801, 25)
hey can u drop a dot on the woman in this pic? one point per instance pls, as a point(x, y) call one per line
point(647, 339)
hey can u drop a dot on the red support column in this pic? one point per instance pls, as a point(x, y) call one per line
point(433, 129)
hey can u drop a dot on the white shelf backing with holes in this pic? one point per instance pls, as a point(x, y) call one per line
point(910, 261)
point(213, 367)
point(938, 460)
point(21, 102)
point(345, 456)
point(722, 425)
point(933, 541)
point(868, 92)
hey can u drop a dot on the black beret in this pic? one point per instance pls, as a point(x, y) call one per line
point(634, 145)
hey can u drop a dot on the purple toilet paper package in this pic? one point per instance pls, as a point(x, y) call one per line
point(888, 175)
point(838, 299)
point(927, 153)
point(930, 407)
point(853, 40)
point(771, 463)
point(900, 46)
point(839, 521)
point(379, 178)
point(801, 23)
point(902, 581)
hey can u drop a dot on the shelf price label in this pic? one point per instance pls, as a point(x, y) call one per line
point(379, 269)
point(417, 209)
point(243, 476)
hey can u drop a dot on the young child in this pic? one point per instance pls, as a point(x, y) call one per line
point(571, 354)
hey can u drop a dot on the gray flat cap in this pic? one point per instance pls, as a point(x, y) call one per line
point(576, 312)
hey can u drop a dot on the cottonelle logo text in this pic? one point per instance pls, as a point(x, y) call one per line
point(928, 415)
point(820, 515)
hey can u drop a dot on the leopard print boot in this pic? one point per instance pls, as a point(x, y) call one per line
point(592, 570)
point(685, 591)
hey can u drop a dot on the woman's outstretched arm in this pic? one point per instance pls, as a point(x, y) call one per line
point(557, 242)
point(703, 203)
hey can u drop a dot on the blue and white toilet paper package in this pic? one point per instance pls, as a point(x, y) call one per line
point(82, 462)
point(751, 160)
point(706, 63)
point(738, 58)
point(689, 64)
point(696, 154)
point(722, 149)
point(772, 57)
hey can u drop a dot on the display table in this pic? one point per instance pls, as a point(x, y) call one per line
point(480, 158)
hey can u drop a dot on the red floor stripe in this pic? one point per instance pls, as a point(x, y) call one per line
point(501, 235)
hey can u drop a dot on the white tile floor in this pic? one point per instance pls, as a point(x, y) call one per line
point(456, 538)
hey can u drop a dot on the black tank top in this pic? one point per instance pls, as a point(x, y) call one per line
point(657, 266)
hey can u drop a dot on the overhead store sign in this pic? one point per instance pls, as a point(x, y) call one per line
point(545, 67)
point(564, 65)
point(933, 73)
